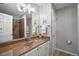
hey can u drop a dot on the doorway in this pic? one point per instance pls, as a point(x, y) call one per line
point(18, 28)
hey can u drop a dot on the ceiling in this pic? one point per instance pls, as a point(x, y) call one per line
point(11, 8)
point(61, 5)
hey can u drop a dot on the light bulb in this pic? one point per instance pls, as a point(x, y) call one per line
point(21, 7)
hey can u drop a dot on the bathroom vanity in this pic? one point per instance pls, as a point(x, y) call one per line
point(34, 46)
point(42, 50)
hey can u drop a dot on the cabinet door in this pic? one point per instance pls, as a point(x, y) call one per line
point(32, 53)
point(47, 48)
point(43, 50)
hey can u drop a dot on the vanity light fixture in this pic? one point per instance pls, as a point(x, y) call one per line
point(21, 7)
point(25, 7)
point(30, 8)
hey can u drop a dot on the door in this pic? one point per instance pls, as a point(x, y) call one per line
point(15, 29)
point(18, 28)
point(21, 27)
point(5, 27)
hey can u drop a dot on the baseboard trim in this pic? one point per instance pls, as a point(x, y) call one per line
point(66, 51)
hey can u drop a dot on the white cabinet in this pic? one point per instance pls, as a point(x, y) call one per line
point(32, 53)
point(42, 50)
point(47, 48)
point(5, 27)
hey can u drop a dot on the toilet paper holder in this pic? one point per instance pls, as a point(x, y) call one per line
point(69, 42)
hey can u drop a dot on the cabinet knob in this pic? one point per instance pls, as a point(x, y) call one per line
point(69, 42)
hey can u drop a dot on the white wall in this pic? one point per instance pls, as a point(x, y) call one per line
point(45, 15)
point(53, 28)
point(35, 19)
point(67, 28)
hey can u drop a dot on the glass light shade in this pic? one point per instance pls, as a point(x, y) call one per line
point(21, 7)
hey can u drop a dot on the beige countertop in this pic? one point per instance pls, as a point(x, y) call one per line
point(22, 47)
